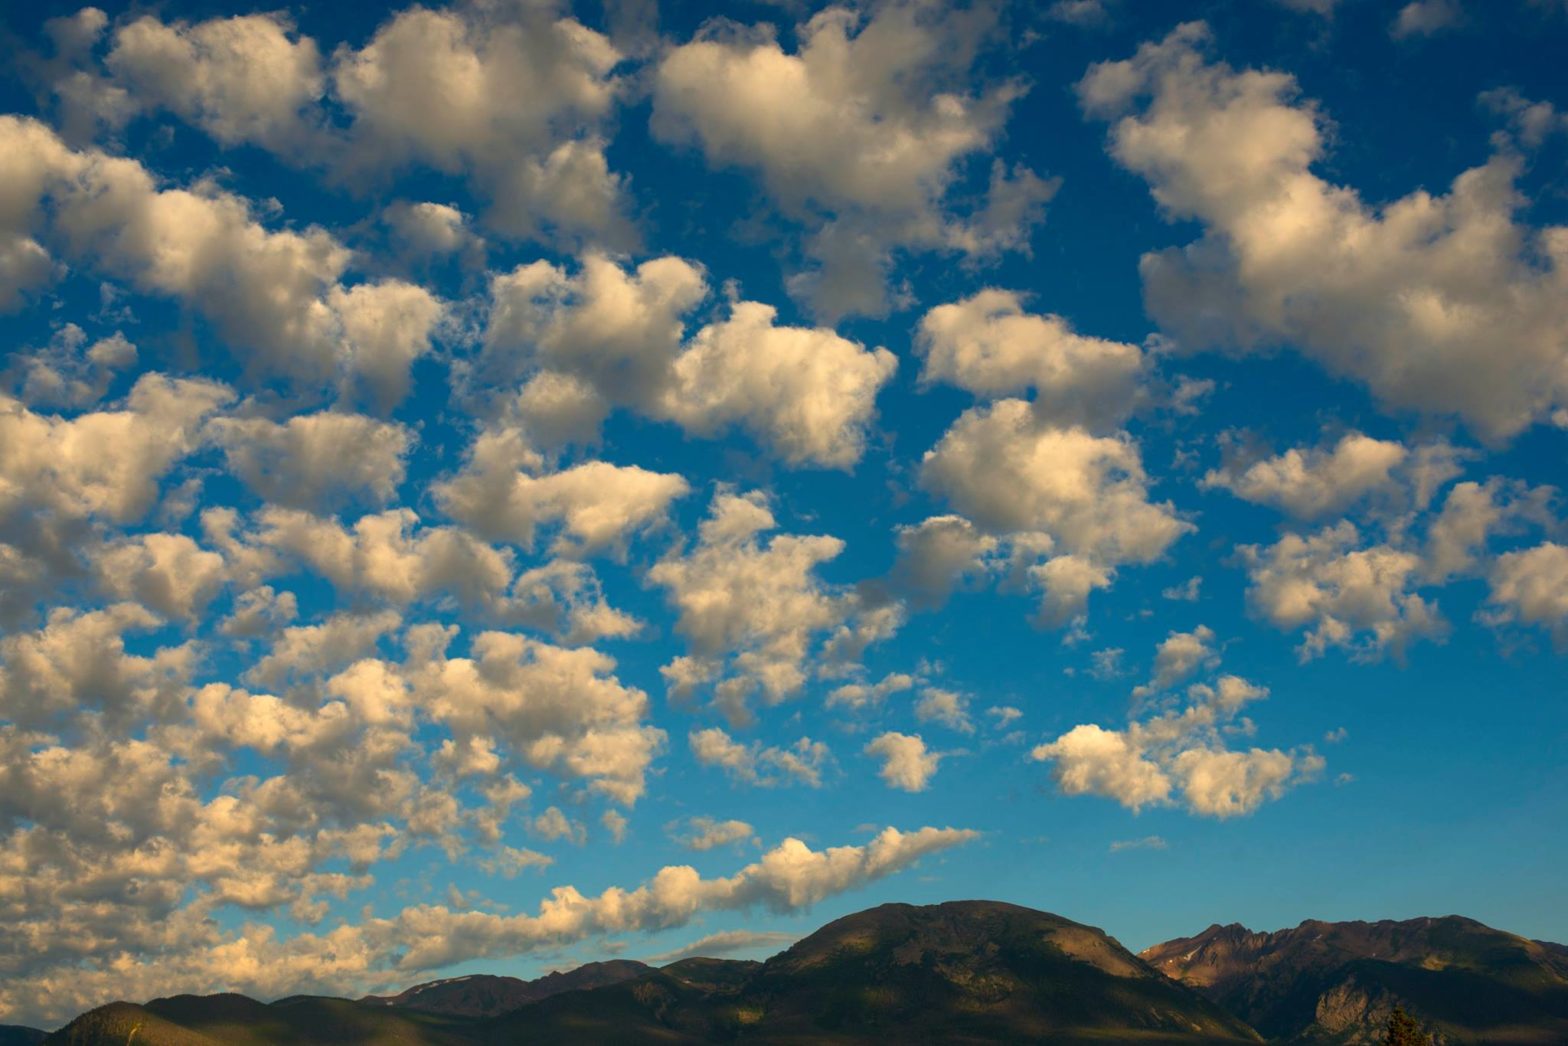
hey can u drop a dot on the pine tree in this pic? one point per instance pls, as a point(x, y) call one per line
point(1404, 1031)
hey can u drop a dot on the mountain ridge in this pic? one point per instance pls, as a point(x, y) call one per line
point(960, 971)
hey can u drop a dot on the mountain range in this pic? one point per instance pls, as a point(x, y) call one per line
point(964, 971)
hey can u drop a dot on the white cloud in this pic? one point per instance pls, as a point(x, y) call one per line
point(1074, 506)
point(553, 825)
point(248, 78)
point(1441, 304)
point(169, 573)
point(1354, 597)
point(1148, 842)
point(305, 652)
point(511, 97)
point(906, 764)
point(316, 460)
point(596, 504)
point(706, 833)
point(1179, 755)
point(1530, 587)
point(1317, 481)
point(937, 556)
point(804, 393)
point(1178, 656)
point(948, 707)
point(106, 463)
point(756, 764)
point(860, 132)
point(71, 371)
point(1004, 469)
point(753, 613)
point(1425, 17)
point(552, 708)
point(860, 696)
point(990, 346)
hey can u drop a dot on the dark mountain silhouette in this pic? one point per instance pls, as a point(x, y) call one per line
point(966, 971)
point(1338, 982)
point(483, 995)
point(16, 1035)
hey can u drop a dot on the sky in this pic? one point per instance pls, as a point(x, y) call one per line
point(494, 486)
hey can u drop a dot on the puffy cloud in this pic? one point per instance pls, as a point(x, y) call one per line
point(805, 393)
point(948, 707)
point(1318, 481)
point(596, 504)
point(860, 132)
point(1343, 591)
point(315, 460)
point(1425, 17)
point(1530, 586)
point(78, 662)
point(617, 329)
point(247, 78)
point(430, 230)
point(553, 825)
point(70, 371)
point(381, 554)
point(1004, 469)
point(106, 463)
point(1073, 505)
point(905, 762)
point(553, 708)
point(511, 97)
point(990, 346)
point(752, 613)
point(725, 942)
point(307, 651)
point(756, 764)
point(706, 833)
point(273, 297)
point(1178, 656)
point(1533, 122)
point(859, 696)
point(937, 556)
point(1442, 304)
point(169, 573)
point(1179, 754)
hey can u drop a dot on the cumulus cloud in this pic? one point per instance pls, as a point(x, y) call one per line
point(274, 297)
point(1425, 17)
point(72, 370)
point(706, 833)
point(805, 393)
point(1440, 304)
point(551, 708)
point(906, 764)
point(1355, 597)
point(939, 555)
point(860, 133)
point(1074, 505)
point(503, 495)
point(312, 461)
point(1530, 586)
point(245, 79)
point(767, 766)
point(751, 612)
point(948, 707)
point(1178, 656)
point(169, 573)
point(988, 345)
point(1318, 481)
point(443, 87)
point(1180, 757)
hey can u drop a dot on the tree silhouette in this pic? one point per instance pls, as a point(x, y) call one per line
point(1404, 1031)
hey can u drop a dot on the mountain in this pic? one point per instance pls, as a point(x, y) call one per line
point(16, 1035)
point(965, 971)
point(483, 995)
point(1337, 982)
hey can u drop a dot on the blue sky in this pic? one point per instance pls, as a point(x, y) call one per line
point(494, 486)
